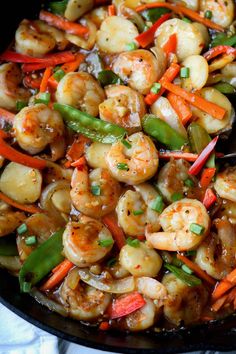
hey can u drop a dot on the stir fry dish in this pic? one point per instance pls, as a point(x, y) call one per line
point(116, 207)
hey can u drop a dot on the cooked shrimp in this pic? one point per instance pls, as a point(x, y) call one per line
point(9, 219)
point(85, 201)
point(140, 261)
point(81, 91)
point(216, 255)
point(152, 289)
point(115, 33)
point(225, 184)
point(36, 127)
point(222, 11)
point(191, 4)
point(184, 303)
point(36, 38)
point(189, 39)
point(140, 161)
point(81, 241)
point(228, 211)
point(98, 15)
point(10, 92)
point(140, 69)
point(83, 301)
point(96, 154)
point(176, 221)
point(124, 107)
point(141, 201)
point(81, 42)
point(171, 178)
point(198, 72)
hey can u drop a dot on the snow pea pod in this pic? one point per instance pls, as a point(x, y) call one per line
point(188, 279)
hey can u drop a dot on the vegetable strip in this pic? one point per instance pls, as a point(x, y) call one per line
point(32, 209)
point(171, 44)
point(180, 106)
point(220, 49)
point(202, 158)
point(50, 60)
point(44, 82)
point(58, 275)
point(6, 115)
point(111, 10)
point(127, 304)
point(207, 176)
point(115, 230)
point(209, 198)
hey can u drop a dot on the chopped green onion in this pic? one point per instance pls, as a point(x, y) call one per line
point(188, 279)
point(126, 144)
point(197, 229)
point(96, 190)
point(20, 105)
point(177, 262)
point(184, 73)
point(157, 204)
point(176, 196)
point(56, 68)
point(223, 39)
point(44, 97)
point(189, 182)
point(186, 269)
point(186, 19)
point(22, 229)
point(225, 87)
point(156, 88)
point(122, 166)
point(152, 15)
point(58, 7)
point(30, 240)
point(111, 262)
point(191, 253)
point(208, 14)
point(26, 287)
point(59, 74)
point(131, 46)
point(138, 212)
point(133, 242)
point(106, 243)
point(108, 77)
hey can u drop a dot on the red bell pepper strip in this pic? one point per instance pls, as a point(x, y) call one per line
point(111, 10)
point(202, 158)
point(115, 230)
point(30, 82)
point(169, 75)
point(188, 156)
point(171, 45)
point(28, 208)
point(127, 304)
point(147, 37)
point(6, 116)
point(206, 177)
point(63, 24)
point(180, 106)
point(209, 198)
point(220, 49)
point(50, 60)
point(14, 57)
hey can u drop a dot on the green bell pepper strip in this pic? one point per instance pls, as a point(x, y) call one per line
point(42, 260)
point(162, 132)
point(93, 128)
point(108, 77)
point(58, 7)
point(153, 15)
point(8, 246)
point(223, 39)
point(188, 279)
point(225, 87)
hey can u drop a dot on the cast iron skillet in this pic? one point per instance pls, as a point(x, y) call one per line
point(218, 335)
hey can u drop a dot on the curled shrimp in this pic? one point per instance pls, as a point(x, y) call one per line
point(152, 288)
point(80, 90)
point(222, 11)
point(9, 219)
point(124, 107)
point(10, 92)
point(81, 241)
point(225, 184)
point(82, 301)
point(85, 201)
point(176, 220)
point(140, 69)
point(138, 163)
point(36, 38)
point(36, 127)
point(216, 255)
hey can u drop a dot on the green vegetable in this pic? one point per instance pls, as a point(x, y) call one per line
point(208, 14)
point(126, 144)
point(176, 262)
point(43, 97)
point(152, 15)
point(138, 212)
point(22, 229)
point(156, 88)
point(111, 262)
point(133, 242)
point(122, 166)
point(184, 72)
point(162, 132)
point(223, 39)
point(95, 64)
point(30, 240)
point(189, 183)
point(191, 253)
point(157, 204)
point(26, 287)
point(188, 279)
point(225, 87)
point(176, 196)
point(93, 128)
point(8, 246)
point(108, 77)
point(198, 137)
point(59, 74)
point(58, 7)
point(185, 19)
point(20, 105)
point(186, 269)
point(131, 46)
point(42, 260)
point(106, 243)
point(96, 190)
point(197, 229)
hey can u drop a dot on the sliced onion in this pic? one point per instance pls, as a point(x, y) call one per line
point(12, 263)
point(119, 286)
point(134, 17)
point(50, 304)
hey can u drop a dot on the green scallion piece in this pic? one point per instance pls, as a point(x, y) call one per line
point(186, 269)
point(189, 182)
point(133, 242)
point(44, 97)
point(156, 88)
point(22, 229)
point(197, 229)
point(58, 7)
point(20, 105)
point(26, 287)
point(138, 212)
point(184, 73)
point(157, 204)
point(122, 166)
point(126, 144)
point(59, 74)
point(208, 14)
point(177, 262)
point(176, 196)
point(188, 279)
point(106, 243)
point(186, 19)
point(131, 46)
point(96, 190)
point(191, 253)
point(30, 240)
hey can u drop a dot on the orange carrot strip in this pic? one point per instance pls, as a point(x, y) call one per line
point(180, 106)
point(111, 10)
point(196, 269)
point(104, 326)
point(221, 288)
point(44, 82)
point(32, 209)
point(231, 277)
point(195, 100)
point(6, 115)
point(80, 163)
point(77, 148)
point(219, 303)
point(16, 156)
point(193, 15)
point(115, 230)
point(171, 44)
point(188, 156)
point(62, 24)
point(57, 276)
point(209, 198)
point(206, 177)
point(169, 75)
